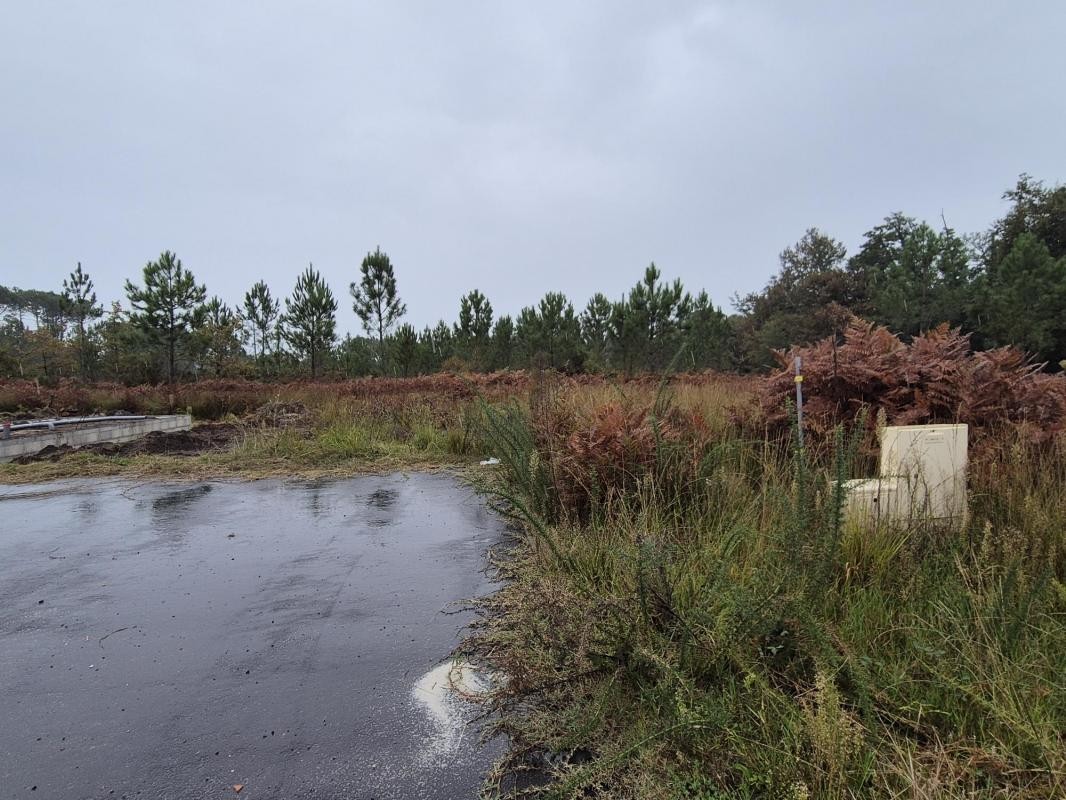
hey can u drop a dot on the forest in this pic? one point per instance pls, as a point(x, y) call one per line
point(1005, 286)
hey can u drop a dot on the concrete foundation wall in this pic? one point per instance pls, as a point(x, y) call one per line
point(91, 433)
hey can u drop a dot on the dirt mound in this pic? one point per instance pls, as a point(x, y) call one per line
point(279, 414)
point(203, 438)
point(50, 453)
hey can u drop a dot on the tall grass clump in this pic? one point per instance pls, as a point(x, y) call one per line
point(336, 431)
point(690, 615)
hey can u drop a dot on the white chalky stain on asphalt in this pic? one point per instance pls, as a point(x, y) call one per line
point(436, 692)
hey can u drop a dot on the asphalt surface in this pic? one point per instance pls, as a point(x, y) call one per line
point(176, 640)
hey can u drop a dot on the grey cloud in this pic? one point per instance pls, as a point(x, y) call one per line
point(513, 148)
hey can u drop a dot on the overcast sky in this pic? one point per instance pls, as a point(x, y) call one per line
point(512, 148)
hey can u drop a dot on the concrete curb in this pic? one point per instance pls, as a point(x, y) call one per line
point(94, 432)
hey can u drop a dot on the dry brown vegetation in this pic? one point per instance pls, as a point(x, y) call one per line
point(308, 428)
point(214, 399)
point(936, 377)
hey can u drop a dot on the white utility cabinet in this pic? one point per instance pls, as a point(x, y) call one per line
point(922, 475)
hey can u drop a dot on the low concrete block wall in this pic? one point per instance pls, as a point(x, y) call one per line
point(91, 433)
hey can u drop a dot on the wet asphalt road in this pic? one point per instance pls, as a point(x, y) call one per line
point(172, 640)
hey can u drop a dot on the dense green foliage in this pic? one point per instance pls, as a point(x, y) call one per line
point(375, 301)
point(1006, 285)
point(166, 307)
point(310, 319)
point(80, 307)
point(261, 314)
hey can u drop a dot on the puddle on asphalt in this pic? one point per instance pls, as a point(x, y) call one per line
point(174, 502)
point(382, 498)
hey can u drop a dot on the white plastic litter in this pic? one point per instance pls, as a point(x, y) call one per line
point(490, 462)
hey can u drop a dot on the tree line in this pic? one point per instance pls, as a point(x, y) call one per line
point(1005, 285)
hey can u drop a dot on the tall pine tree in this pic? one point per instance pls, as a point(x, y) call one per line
point(79, 305)
point(166, 305)
point(1021, 300)
point(405, 349)
point(474, 326)
point(595, 324)
point(310, 321)
point(502, 342)
point(261, 312)
point(220, 330)
point(375, 300)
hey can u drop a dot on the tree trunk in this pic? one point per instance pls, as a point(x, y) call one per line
point(381, 346)
point(172, 348)
point(83, 347)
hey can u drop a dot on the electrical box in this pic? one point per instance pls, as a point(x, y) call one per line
point(931, 460)
point(874, 500)
point(922, 475)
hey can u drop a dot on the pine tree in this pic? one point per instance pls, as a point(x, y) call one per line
point(1022, 300)
point(625, 335)
point(261, 311)
point(219, 329)
point(595, 325)
point(642, 331)
point(502, 342)
point(438, 345)
point(655, 307)
point(405, 349)
point(528, 338)
point(79, 305)
point(375, 300)
point(706, 335)
point(550, 333)
point(475, 324)
point(166, 306)
point(310, 320)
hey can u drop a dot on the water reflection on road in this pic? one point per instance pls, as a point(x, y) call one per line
point(174, 640)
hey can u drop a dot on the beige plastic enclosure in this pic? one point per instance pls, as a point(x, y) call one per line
point(875, 499)
point(922, 475)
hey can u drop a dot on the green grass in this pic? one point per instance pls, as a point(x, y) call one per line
point(718, 632)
